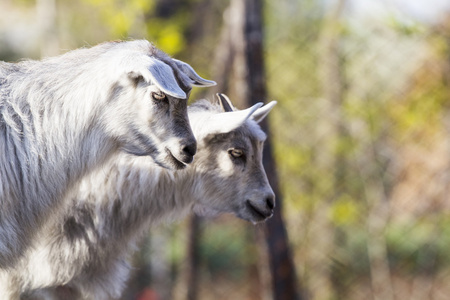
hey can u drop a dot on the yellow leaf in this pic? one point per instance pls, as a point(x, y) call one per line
point(344, 211)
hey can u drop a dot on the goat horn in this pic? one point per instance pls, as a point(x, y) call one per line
point(225, 102)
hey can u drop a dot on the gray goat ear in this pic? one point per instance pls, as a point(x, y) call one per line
point(229, 121)
point(196, 80)
point(262, 112)
point(160, 74)
point(225, 103)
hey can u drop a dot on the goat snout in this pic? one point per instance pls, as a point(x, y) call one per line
point(181, 154)
point(270, 201)
point(260, 210)
point(188, 151)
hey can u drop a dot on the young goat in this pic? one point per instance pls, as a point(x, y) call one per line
point(63, 116)
point(85, 255)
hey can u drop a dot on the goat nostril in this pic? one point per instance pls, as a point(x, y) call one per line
point(270, 201)
point(189, 149)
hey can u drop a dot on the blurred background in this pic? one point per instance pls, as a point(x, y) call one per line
point(359, 141)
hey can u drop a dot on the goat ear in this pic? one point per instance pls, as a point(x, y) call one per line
point(262, 112)
point(193, 76)
point(228, 121)
point(225, 103)
point(156, 72)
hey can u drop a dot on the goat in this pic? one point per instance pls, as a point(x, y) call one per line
point(85, 254)
point(63, 116)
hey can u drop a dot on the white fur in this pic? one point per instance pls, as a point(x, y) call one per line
point(88, 248)
point(63, 116)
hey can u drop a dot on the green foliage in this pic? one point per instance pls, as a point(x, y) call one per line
point(120, 15)
point(167, 34)
point(403, 27)
point(121, 19)
point(422, 112)
point(327, 168)
point(342, 169)
point(223, 250)
point(413, 248)
point(421, 246)
point(346, 211)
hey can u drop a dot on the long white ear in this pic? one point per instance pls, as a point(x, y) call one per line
point(228, 121)
point(193, 76)
point(262, 112)
point(156, 72)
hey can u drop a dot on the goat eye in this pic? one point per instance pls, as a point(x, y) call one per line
point(158, 96)
point(236, 153)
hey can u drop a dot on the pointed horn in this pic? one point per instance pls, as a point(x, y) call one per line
point(262, 112)
point(228, 121)
point(225, 103)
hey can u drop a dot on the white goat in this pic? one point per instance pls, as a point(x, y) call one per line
point(85, 255)
point(63, 116)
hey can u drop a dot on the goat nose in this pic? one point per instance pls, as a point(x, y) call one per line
point(270, 201)
point(189, 149)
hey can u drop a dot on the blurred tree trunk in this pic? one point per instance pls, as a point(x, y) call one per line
point(153, 269)
point(239, 70)
point(377, 220)
point(249, 61)
point(221, 74)
point(140, 277)
point(223, 60)
point(193, 271)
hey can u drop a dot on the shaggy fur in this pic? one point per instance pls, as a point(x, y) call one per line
point(63, 116)
point(85, 254)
